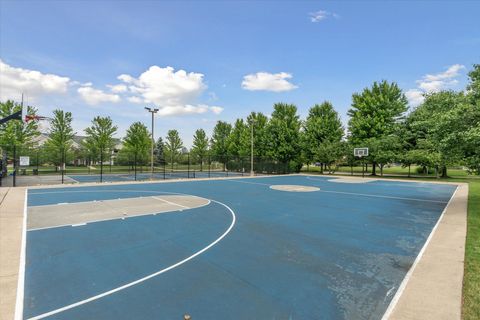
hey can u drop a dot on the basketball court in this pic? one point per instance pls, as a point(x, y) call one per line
point(283, 247)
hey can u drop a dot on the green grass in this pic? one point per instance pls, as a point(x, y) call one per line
point(471, 279)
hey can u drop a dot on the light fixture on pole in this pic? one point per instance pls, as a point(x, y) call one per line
point(152, 111)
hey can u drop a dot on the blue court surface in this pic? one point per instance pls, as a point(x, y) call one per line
point(118, 177)
point(252, 253)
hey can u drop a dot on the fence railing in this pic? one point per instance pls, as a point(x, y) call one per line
point(27, 166)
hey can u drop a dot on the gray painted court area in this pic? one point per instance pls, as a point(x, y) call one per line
point(79, 213)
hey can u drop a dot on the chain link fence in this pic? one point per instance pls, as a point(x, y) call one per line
point(30, 166)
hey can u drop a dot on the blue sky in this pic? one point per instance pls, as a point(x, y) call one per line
point(236, 57)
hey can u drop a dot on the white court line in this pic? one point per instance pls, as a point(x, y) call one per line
point(123, 218)
point(379, 196)
point(21, 269)
point(262, 184)
point(169, 202)
point(403, 285)
point(79, 224)
point(354, 193)
point(125, 286)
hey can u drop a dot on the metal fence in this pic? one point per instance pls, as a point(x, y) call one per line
point(29, 166)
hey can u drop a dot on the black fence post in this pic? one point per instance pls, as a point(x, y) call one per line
point(209, 165)
point(135, 164)
point(164, 168)
point(14, 165)
point(101, 165)
point(63, 164)
point(188, 165)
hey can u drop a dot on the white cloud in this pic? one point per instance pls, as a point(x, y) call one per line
point(434, 83)
point(440, 81)
point(216, 110)
point(135, 100)
point(14, 81)
point(173, 92)
point(265, 81)
point(321, 15)
point(118, 88)
point(414, 96)
point(95, 96)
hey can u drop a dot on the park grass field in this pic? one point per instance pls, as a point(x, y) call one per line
point(471, 280)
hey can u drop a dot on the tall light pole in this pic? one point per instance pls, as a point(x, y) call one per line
point(251, 147)
point(152, 111)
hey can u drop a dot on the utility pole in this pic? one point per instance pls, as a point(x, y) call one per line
point(152, 111)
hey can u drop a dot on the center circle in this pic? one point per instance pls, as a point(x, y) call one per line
point(294, 188)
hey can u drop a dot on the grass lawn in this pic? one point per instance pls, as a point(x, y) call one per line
point(471, 279)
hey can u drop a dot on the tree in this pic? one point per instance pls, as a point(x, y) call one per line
point(330, 153)
point(137, 142)
point(427, 130)
point(173, 145)
point(60, 137)
point(200, 146)
point(376, 112)
point(99, 141)
point(259, 122)
point(15, 132)
point(159, 150)
point(283, 134)
point(323, 125)
point(219, 141)
point(239, 139)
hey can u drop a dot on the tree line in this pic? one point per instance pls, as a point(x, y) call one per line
point(442, 131)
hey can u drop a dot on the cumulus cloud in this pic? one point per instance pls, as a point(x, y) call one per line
point(414, 96)
point(321, 15)
point(276, 82)
point(14, 81)
point(118, 88)
point(94, 96)
point(434, 83)
point(174, 92)
point(135, 100)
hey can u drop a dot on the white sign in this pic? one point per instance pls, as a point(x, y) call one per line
point(24, 161)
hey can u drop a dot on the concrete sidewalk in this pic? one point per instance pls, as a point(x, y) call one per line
point(432, 289)
point(12, 202)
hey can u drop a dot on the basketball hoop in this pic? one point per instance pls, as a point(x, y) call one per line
point(360, 152)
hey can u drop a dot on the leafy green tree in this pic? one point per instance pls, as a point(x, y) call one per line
point(159, 151)
point(376, 112)
point(239, 139)
point(330, 153)
point(219, 141)
point(473, 88)
point(137, 142)
point(426, 128)
point(200, 146)
point(283, 134)
point(260, 143)
point(60, 138)
point(15, 132)
point(322, 125)
point(173, 145)
point(99, 142)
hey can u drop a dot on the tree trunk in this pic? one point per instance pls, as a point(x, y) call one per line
point(374, 166)
point(381, 170)
point(409, 170)
point(444, 172)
